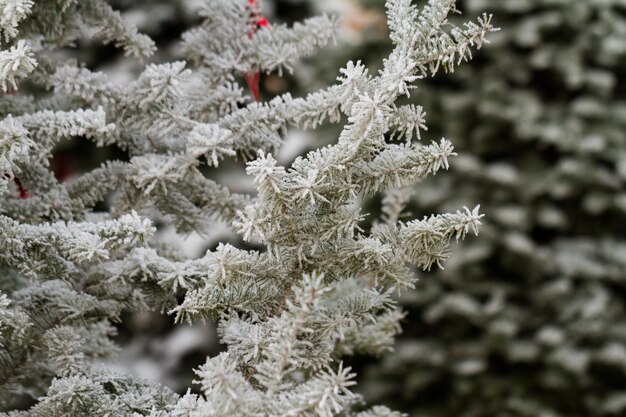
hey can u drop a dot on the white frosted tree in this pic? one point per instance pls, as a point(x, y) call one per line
point(319, 290)
point(527, 320)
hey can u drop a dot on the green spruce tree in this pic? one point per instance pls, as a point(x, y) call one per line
point(75, 254)
point(528, 320)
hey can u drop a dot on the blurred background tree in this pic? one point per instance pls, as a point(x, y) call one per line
point(529, 319)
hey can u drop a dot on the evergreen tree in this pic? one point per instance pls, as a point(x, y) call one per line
point(75, 254)
point(527, 320)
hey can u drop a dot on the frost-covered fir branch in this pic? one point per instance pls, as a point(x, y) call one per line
point(290, 314)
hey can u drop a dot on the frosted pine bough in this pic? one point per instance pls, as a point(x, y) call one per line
point(288, 315)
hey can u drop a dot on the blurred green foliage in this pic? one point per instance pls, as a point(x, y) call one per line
point(527, 320)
